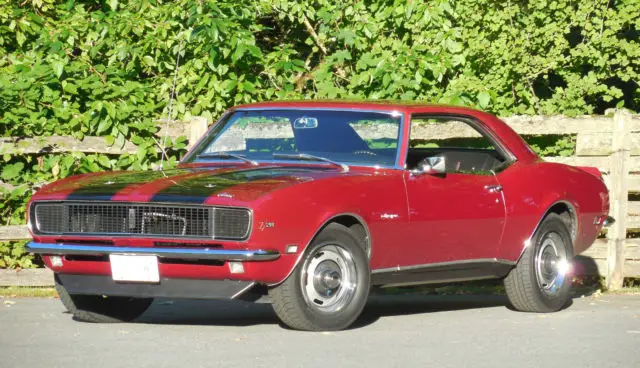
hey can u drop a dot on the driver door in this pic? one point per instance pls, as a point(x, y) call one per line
point(458, 213)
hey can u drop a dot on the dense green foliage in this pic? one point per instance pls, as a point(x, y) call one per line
point(12, 255)
point(105, 67)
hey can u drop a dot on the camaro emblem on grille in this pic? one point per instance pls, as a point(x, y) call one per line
point(150, 218)
point(132, 218)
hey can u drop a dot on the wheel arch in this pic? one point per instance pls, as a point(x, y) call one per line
point(348, 219)
point(567, 211)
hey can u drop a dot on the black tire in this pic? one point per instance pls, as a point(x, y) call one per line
point(316, 303)
point(101, 309)
point(540, 282)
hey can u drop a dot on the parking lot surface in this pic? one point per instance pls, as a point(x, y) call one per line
point(394, 331)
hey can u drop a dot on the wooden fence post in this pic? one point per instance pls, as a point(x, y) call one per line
point(197, 127)
point(618, 197)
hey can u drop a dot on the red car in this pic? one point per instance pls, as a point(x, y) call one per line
point(311, 203)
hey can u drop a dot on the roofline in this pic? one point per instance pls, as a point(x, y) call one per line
point(383, 105)
point(516, 145)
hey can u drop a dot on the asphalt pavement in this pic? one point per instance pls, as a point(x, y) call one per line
point(394, 331)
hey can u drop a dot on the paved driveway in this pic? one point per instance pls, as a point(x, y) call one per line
point(395, 331)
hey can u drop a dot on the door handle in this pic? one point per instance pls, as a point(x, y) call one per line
point(495, 188)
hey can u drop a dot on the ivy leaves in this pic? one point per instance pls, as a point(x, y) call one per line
point(86, 69)
point(106, 68)
point(11, 171)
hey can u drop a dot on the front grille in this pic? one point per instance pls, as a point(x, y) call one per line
point(230, 222)
point(133, 219)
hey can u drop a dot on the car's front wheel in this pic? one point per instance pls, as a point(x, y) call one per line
point(541, 280)
point(101, 309)
point(329, 287)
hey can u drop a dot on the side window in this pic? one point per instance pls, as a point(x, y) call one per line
point(463, 147)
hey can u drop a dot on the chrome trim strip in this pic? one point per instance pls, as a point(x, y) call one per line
point(182, 253)
point(244, 290)
point(444, 264)
point(391, 111)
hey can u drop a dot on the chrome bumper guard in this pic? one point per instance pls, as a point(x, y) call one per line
point(180, 253)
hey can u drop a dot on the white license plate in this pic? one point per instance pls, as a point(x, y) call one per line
point(134, 268)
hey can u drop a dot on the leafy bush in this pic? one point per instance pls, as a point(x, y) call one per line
point(105, 68)
point(13, 255)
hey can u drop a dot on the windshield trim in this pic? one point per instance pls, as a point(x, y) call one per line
point(391, 112)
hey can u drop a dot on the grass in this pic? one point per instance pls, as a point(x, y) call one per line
point(27, 292)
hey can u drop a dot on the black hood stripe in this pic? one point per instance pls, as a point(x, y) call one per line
point(196, 188)
point(104, 187)
point(199, 188)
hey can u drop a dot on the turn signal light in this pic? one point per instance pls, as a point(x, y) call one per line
point(236, 267)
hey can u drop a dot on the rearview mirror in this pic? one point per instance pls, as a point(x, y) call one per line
point(430, 165)
point(305, 123)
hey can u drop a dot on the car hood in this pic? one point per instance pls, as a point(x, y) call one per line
point(186, 185)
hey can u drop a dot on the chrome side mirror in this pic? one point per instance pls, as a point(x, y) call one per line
point(430, 165)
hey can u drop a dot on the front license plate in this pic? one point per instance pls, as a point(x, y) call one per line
point(134, 268)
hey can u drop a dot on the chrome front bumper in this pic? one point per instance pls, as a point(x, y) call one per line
point(180, 253)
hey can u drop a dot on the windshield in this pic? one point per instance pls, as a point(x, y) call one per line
point(349, 137)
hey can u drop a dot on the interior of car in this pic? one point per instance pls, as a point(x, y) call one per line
point(463, 146)
point(458, 159)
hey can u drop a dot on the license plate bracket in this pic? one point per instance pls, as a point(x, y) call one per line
point(134, 268)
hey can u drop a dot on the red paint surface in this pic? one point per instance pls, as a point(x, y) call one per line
point(411, 220)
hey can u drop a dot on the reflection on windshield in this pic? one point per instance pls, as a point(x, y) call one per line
point(349, 137)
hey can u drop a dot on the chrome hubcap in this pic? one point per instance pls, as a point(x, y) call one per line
point(551, 265)
point(329, 279)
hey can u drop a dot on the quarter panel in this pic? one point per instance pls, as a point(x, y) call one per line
point(530, 190)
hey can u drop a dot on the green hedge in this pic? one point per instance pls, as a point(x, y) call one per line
point(105, 67)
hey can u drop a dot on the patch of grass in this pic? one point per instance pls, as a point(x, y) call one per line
point(27, 292)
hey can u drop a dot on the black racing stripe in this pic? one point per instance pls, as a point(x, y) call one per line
point(104, 187)
point(201, 187)
point(195, 190)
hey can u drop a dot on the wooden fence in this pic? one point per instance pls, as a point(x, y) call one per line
point(612, 144)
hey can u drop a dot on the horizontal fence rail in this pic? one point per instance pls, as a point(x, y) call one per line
point(59, 144)
point(609, 143)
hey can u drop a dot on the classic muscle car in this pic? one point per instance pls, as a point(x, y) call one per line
point(310, 204)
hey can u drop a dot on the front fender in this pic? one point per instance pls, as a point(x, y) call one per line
point(294, 216)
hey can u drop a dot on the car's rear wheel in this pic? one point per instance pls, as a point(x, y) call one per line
point(541, 280)
point(329, 287)
point(101, 309)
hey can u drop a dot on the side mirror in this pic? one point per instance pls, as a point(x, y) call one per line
point(430, 165)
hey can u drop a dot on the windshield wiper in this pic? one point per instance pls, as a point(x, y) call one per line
point(307, 157)
point(227, 155)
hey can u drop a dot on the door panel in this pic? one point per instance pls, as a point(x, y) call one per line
point(458, 214)
point(453, 217)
